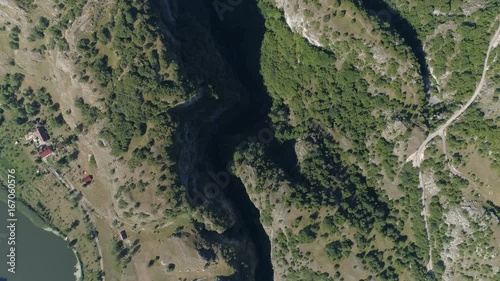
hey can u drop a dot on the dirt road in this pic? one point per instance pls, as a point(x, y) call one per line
point(418, 156)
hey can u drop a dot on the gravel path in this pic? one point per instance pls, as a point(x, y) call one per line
point(418, 156)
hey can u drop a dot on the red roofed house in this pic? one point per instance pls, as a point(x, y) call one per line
point(44, 153)
point(87, 180)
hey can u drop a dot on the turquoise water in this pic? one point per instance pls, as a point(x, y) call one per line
point(40, 255)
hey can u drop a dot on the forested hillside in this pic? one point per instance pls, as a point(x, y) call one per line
point(355, 100)
point(258, 140)
point(117, 85)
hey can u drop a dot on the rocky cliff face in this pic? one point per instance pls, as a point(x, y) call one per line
point(295, 16)
point(269, 196)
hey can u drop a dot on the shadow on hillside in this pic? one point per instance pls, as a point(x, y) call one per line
point(219, 49)
point(401, 26)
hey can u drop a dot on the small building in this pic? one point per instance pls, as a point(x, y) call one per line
point(87, 180)
point(42, 135)
point(30, 136)
point(45, 152)
point(123, 235)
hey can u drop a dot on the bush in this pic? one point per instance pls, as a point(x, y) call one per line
point(338, 250)
point(308, 234)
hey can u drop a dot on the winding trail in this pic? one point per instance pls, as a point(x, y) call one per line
point(425, 214)
point(418, 156)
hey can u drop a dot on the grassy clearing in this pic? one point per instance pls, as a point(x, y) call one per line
point(26, 210)
point(484, 179)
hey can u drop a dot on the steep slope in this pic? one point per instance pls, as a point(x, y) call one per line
point(123, 90)
point(351, 208)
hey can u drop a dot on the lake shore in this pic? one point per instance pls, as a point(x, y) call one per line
point(38, 221)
